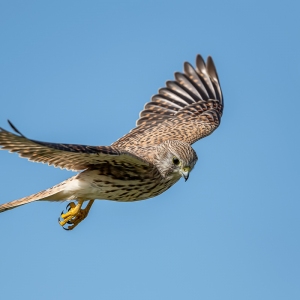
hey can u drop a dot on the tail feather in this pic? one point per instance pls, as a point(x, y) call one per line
point(52, 193)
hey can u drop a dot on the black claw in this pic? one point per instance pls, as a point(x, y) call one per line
point(66, 228)
point(68, 207)
point(69, 222)
point(62, 212)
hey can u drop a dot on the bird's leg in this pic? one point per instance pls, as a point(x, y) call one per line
point(75, 214)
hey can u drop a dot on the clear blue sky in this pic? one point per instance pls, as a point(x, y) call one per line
point(80, 72)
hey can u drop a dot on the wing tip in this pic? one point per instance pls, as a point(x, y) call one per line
point(15, 128)
point(211, 69)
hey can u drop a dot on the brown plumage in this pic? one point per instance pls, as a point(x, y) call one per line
point(143, 163)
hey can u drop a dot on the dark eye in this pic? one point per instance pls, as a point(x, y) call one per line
point(175, 161)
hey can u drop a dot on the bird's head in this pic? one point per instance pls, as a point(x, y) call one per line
point(175, 158)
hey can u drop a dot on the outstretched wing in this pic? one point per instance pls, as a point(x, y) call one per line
point(187, 109)
point(66, 156)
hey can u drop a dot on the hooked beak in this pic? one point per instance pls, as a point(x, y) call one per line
point(185, 172)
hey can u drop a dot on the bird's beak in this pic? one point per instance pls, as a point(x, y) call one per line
point(185, 172)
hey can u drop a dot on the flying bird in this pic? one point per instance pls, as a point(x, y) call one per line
point(140, 165)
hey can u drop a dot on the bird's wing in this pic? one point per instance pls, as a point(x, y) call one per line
point(187, 109)
point(66, 156)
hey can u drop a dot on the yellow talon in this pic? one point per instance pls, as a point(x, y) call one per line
point(71, 213)
point(75, 214)
point(71, 205)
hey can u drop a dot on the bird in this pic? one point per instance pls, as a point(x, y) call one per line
point(142, 164)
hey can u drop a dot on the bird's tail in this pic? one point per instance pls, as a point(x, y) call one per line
point(54, 193)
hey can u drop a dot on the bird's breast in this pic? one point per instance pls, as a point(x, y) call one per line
point(123, 184)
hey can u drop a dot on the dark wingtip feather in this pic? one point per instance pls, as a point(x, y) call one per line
point(200, 64)
point(15, 129)
point(211, 69)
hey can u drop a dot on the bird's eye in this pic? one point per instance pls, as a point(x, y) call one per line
point(175, 161)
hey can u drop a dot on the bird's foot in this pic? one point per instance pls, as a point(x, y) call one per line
point(75, 214)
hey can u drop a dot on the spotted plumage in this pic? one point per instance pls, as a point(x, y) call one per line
point(142, 164)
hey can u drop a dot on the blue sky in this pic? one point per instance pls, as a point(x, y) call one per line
point(80, 72)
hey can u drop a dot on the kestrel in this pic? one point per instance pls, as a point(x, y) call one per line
point(142, 164)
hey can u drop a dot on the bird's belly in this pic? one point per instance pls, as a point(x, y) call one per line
point(92, 185)
point(126, 190)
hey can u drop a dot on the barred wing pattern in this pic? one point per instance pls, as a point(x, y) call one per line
point(66, 156)
point(187, 109)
